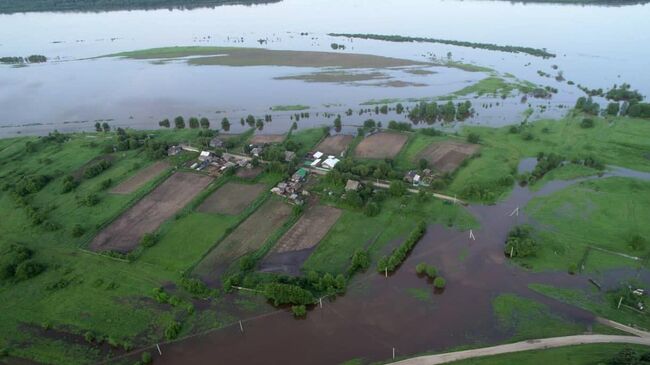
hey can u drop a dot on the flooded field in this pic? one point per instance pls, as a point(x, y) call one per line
point(378, 314)
point(73, 90)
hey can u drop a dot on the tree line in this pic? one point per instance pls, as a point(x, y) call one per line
point(20, 6)
point(488, 46)
point(35, 58)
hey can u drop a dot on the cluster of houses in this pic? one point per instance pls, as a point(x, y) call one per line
point(210, 162)
point(419, 178)
point(322, 161)
point(293, 188)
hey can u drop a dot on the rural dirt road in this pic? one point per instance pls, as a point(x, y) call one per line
point(540, 344)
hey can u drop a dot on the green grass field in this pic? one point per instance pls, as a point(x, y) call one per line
point(355, 230)
point(570, 355)
point(602, 304)
point(528, 319)
point(618, 141)
point(604, 213)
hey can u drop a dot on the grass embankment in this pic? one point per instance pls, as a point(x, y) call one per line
point(617, 141)
point(570, 355)
point(241, 56)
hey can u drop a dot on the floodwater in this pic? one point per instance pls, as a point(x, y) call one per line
point(596, 47)
point(378, 313)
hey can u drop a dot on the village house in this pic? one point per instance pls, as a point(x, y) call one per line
point(216, 143)
point(205, 156)
point(330, 162)
point(174, 150)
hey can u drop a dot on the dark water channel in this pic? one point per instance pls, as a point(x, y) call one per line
point(378, 313)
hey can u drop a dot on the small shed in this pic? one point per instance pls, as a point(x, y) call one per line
point(289, 156)
point(318, 155)
point(352, 185)
point(174, 150)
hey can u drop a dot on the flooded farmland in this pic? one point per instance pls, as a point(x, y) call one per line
point(377, 313)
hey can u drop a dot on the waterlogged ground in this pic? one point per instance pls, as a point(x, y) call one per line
point(403, 311)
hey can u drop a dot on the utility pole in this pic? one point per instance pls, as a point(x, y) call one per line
point(241, 327)
point(159, 352)
point(515, 212)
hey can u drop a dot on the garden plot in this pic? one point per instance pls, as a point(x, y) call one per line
point(335, 145)
point(246, 238)
point(124, 234)
point(232, 198)
point(381, 145)
point(297, 244)
point(142, 177)
point(447, 156)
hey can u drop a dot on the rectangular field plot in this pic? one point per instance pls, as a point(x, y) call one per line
point(248, 237)
point(447, 156)
point(232, 198)
point(148, 214)
point(297, 244)
point(335, 145)
point(381, 145)
point(139, 179)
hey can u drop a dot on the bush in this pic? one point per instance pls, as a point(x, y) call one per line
point(77, 230)
point(149, 239)
point(587, 123)
point(360, 261)
point(397, 188)
point(637, 242)
point(439, 282)
point(172, 330)
point(28, 269)
point(68, 184)
point(421, 268)
point(520, 243)
point(299, 311)
point(432, 272)
point(195, 287)
point(96, 169)
point(105, 184)
point(372, 209)
point(473, 138)
point(146, 358)
point(573, 268)
point(89, 200)
point(287, 294)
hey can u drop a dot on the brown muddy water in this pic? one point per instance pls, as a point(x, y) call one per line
point(378, 314)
